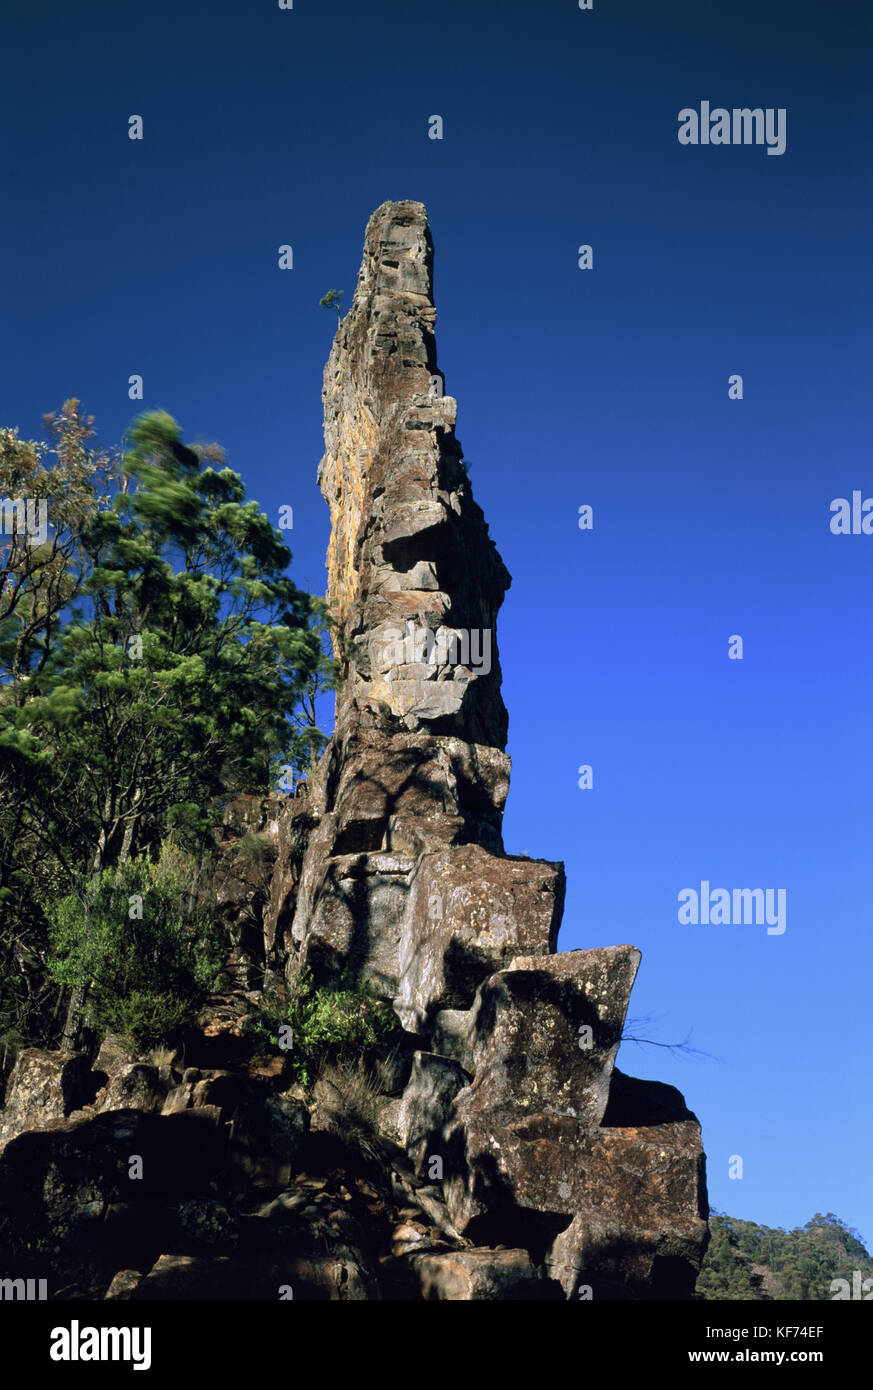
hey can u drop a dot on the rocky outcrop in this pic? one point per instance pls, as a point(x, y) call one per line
point(233, 1189)
point(497, 1153)
point(403, 879)
point(414, 579)
point(467, 914)
point(400, 875)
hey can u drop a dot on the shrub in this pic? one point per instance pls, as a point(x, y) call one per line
point(144, 1016)
point(344, 1024)
point(348, 1103)
point(130, 939)
point(254, 853)
point(162, 1057)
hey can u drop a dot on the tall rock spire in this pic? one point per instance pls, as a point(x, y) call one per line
point(414, 579)
point(391, 860)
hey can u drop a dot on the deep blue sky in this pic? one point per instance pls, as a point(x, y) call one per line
point(608, 387)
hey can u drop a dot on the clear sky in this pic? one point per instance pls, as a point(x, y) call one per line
point(607, 387)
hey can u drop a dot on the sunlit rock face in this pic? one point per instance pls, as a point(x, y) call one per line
point(416, 769)
point(404, 879)
point(414, 578)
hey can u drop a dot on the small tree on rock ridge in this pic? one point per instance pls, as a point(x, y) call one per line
point(332, 301)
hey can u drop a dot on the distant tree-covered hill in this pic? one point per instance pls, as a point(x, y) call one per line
point(758, 1263)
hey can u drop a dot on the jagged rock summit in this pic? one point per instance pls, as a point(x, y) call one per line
point(413, 577)
point(392, 862)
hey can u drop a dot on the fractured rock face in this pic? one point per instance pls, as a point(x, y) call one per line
point(392, 864)
point(135, 1087)
point(417, 765)
point(417, 618)
point(640, 1214)
point(469, 912)
point(426, 1103)
point(543, 1035)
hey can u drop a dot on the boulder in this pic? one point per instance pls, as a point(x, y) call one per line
point(86, 1191)
point(543, 1036)
point(44, 1087)
point(469, 914)
point(123, 1284)
point(115, 1053)
point(225, 1279)
point(136, 1086)
point(387, 1118)
point(224, 1089)
point(640, 1222)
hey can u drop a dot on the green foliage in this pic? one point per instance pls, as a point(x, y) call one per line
point(175, 679)
point(147, 974)
point(348, 1023)
point(71, 479)
point(155, 659)
point(751, 1263)
point(331, 300)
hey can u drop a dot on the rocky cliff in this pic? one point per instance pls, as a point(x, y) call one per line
point(404, 878)
point(506, 1156)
